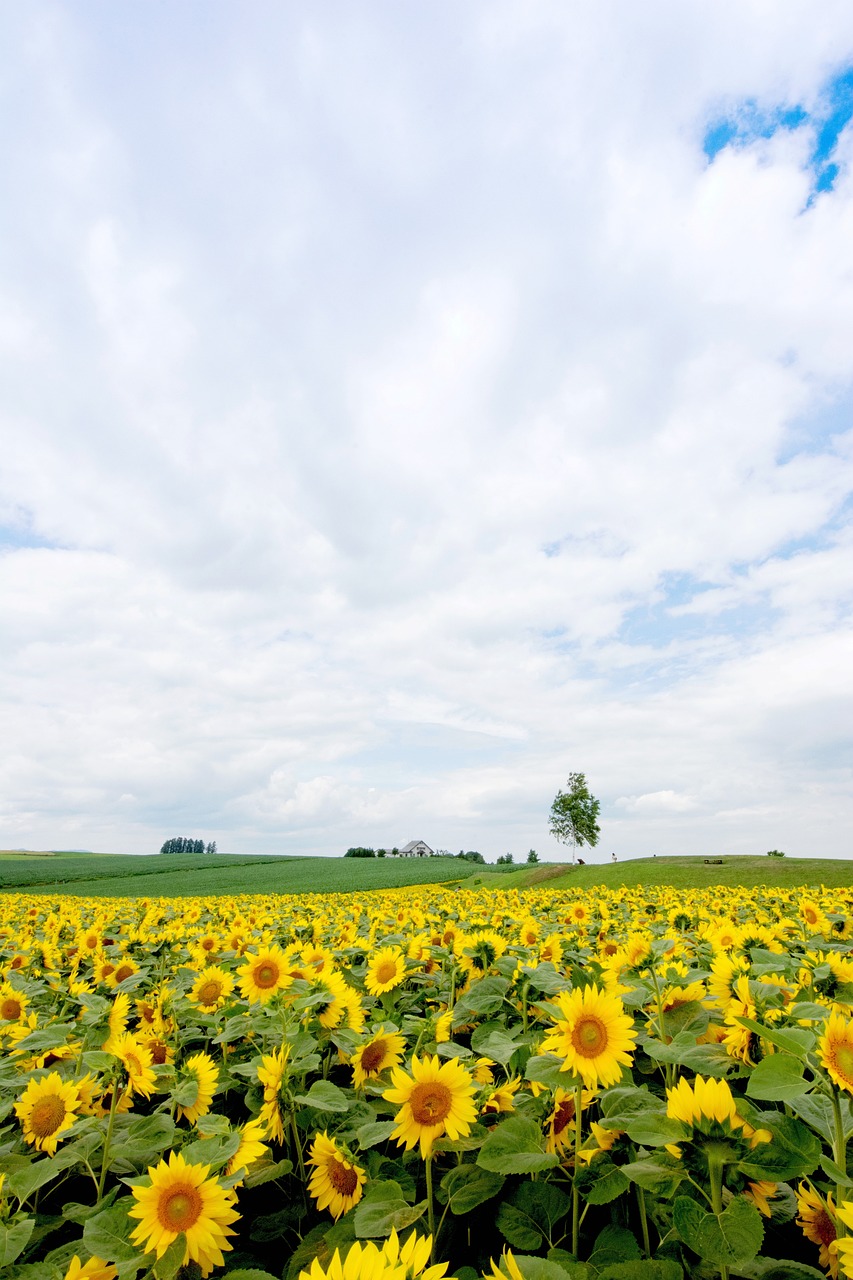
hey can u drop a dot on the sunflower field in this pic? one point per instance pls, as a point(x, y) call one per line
point(441, 1081)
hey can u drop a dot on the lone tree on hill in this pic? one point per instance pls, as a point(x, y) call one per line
point(574, 814)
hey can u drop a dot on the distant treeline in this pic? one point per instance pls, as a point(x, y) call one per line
point(186, 844)
point(360, 851)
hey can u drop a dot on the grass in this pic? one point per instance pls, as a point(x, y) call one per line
point(683, 872)
point(118, 875)
point(187, 875)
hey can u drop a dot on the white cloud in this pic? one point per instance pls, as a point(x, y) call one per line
point(381, 402)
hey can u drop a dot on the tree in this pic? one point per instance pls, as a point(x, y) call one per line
point(533, 856)
point(574, 814)
point(504, 860)
point(360, 852)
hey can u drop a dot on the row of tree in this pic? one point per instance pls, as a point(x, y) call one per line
point(187, 844)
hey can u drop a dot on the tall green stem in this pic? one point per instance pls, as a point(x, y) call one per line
point(839, 1155)
point(430, 1207)
point(644, 1221)
point(715, 1169)
point(576, 1224)
point(114, 1101)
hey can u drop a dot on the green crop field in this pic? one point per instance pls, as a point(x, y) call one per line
point(182, 875)
point(683, 873)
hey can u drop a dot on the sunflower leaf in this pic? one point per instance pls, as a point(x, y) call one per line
point(384, 1210)
point(516, 1146)
point(466, 1186)
point(14, 1239)
point(324, 1096)
point(778, 1078)
point(735, 1235)
point(108, 1233)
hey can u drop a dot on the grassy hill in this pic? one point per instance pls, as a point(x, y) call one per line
point(186, 874)
point(682, 873)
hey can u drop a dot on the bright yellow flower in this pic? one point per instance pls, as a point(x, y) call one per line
point(385, 971)
point(263, 974)
point(203, 1070)
point(337, 1181)
point(835, 1048)
point(595, 1036)
point(383, 1050)
point(251, 1148)
point(436, 1099)
point(816, 1217)
point(94, 1269)
point(211, 988)
point(181, 1199)
point(47, 1109)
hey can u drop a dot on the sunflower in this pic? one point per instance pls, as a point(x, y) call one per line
point(561, 1121)
point(271, 1074)
point(501, 1098)
point(362, 1262)
point(437, 1098)
point(136, 1059)
point(211, 988)
point(124, 969)
point(413, 1256)
point(94, 1269)
point(386, 970)
point(263, 974)
point(719, 1133)
point(337, 1180)
point(251, 1148)
point(507, 1267)
point(816, 1218)
point(595, 1036)
point(181, 1199)
point(117, 1019)
point(383, 1050)
point(47, 1109)
point(836, 1050)
point(203, 1071)
point(13, 1003)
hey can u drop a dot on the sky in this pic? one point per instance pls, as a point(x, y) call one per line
point(404, 406)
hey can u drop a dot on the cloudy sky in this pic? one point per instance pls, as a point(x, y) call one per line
point(404, 405)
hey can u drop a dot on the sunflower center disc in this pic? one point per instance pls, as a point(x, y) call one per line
point(344, 1180)
point(430, 1103)
point(372, 1057)
point(266, 975)
point(46, 1116)
point(564, 1115)
point(180, 1209)
point(844, 1061)
point(10, 1009)
point(122, 972)
point(386, 971)
point(589, 1037)
point(209, 993)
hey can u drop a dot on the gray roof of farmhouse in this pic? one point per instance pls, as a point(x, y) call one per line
point(413, 844)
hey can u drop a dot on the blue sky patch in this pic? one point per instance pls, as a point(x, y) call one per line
point(749, 120)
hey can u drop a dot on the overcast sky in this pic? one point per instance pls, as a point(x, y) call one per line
point(404, 405)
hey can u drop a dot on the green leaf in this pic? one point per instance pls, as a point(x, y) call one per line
point(687, 1018)
point(215, 1151)
point(533, 1210)
point(324, 1096)
point(24, 1180)
point(483, 997)
point(249, 1273)
point(793, 1040)
point(466, 1186)
point(732, 1236)
point(777, 1078)
point(261, 1173)
point(383, 1210)
point(14, 1239)
point(516, 1146)
point(547, 1269)
point(793, 1152)
point(48, 1038)
point(368, 1135)
point(547, 1069)
point(491, 1041)
point(704, 1059)
point(272, 1226)
point(776, 1269)
point(643, 1269)
point(517, 1228)
point(659, 1174)
point(108, 1233)
point(614, 1245)
point(601, 1182)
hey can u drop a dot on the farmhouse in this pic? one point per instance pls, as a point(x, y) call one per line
point(416, 849)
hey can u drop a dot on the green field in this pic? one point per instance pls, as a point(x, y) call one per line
point(186, 874)
point(116, 875)
point(685, 873)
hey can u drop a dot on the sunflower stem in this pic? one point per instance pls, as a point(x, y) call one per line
point(117, 1095)
point(575, 1188)
point(644, 1221)
point(430, 1208)
point(300, 1161)
point(839, 1152)
point(715, 1170)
